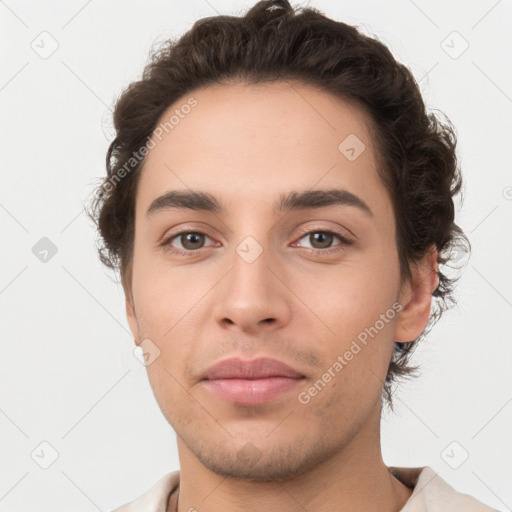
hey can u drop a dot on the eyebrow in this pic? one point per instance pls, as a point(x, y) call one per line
point(177, 199)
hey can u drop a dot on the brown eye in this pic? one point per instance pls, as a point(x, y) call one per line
point(188, 241)
point(321, 239)
point(191, 240)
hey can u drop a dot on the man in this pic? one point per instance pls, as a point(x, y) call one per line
point(278, 203)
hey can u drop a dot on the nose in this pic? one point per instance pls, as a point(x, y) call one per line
point(254, 296)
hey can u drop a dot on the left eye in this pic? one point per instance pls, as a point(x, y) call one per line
point(323, 239)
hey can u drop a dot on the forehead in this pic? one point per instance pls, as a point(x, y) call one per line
point(241, 142)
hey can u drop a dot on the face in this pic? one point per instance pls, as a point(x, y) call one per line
point(314, 284)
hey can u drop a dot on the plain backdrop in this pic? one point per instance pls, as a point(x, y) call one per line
point(73, 396)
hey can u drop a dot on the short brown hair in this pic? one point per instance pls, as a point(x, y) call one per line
point(274, 41)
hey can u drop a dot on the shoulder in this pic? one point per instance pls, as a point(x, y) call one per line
point(433, 494)
point(154, 499)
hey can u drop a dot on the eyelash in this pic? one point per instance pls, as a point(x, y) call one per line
point(337, 248)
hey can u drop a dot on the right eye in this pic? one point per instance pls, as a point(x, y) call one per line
point(190, 242)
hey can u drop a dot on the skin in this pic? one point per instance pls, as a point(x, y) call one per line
point(246, 144)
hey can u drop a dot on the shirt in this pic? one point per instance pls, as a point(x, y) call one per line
point(431, 494)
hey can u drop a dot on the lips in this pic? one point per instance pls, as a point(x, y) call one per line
point(261, 368)
point(251, 383)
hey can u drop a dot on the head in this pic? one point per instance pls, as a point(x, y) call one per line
point(322, 219)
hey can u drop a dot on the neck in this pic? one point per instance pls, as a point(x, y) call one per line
point(354, 478)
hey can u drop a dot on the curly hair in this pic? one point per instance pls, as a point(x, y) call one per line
point(273, 42)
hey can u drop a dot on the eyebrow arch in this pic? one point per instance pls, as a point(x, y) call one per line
point(285, 202)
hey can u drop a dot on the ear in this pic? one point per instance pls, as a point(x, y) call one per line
point(416, 298)
point(132, 317)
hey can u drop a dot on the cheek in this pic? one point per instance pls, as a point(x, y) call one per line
point(163, 295)
point(166, 302)
point(350, 298)
point(357, 305)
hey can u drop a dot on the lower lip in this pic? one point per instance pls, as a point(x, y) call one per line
point(251, 392)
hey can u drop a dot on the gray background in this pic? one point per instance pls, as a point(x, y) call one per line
point(68, 376)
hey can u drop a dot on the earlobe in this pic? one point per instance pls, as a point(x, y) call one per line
point(416, 298)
